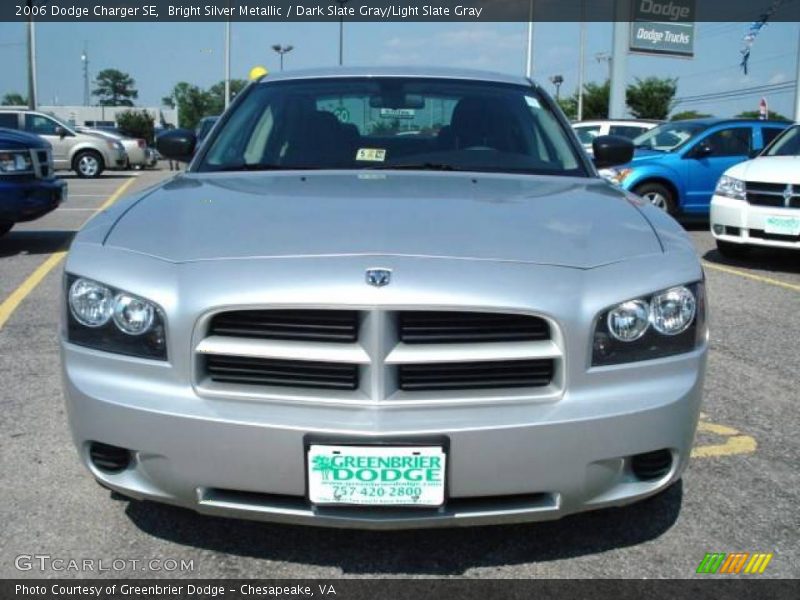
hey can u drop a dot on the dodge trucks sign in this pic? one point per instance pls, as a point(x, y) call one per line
point(663, 27)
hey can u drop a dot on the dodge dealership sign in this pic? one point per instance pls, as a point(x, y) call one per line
point(663, 27)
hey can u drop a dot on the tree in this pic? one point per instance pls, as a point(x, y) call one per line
point(14, 99)
point(688, 114)
point(137, 124)
point(595, 101)
point(115, 88)
point(192, 103)
point(651, 98)
point(754, 114)
point(217, 94)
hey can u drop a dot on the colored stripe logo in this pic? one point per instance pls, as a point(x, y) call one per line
point(734, 563)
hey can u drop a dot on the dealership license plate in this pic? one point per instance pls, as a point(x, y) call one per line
point(376, 475)
point(782, 225)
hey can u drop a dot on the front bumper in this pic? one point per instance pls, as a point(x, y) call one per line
point(515, 462)
point(744, 223)
point(30, 199)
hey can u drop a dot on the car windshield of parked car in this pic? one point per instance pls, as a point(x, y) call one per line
point(669, 136)
point(787, 144)
point(392, 123)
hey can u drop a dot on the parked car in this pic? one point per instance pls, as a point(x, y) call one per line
point(677, 164)
point(627, 128)
point(135, 148)
point(322, 322)
point(757, 203)
point(28, 187)
point(85, 154)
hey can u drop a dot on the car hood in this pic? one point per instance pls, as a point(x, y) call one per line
point(11, 139)
point(642, 156)
point(573, 222)
point(768, 169)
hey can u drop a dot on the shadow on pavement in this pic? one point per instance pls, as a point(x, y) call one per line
point(34, 242)
point(105, 175)
point(773, 260)
point(429, 552)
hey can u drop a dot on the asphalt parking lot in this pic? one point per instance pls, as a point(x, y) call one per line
point(741, 493)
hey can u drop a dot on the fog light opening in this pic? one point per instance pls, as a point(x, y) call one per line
point(108, 458)
point(718, 229)
point(651, 465)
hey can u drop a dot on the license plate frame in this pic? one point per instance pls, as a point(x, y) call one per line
point(321, 495)
point(782, 225)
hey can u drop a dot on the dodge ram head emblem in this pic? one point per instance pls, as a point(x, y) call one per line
point(379, 277)
point(788, 194)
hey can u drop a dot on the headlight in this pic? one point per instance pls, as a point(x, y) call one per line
point(16, 162)
point(104, 318)
point(730, 187)
point(615, 176)
point(666, 323)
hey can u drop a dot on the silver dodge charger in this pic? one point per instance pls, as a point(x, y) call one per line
point(385, 298)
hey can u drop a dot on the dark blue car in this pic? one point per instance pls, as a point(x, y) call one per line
point(28, 188)
point(677, 164)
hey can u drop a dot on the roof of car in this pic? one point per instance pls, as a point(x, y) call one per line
point(410, 71)
point(711, 121)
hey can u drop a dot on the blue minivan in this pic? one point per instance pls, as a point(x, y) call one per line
point(28, 188)
point(677, 164)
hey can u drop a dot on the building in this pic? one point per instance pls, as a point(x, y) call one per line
point(94, 116)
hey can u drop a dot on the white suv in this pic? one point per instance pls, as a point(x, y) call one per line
point(757, 203)
point(627, 128)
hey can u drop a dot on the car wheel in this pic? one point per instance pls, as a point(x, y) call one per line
point(5, 227)
point(659, 196)
point(88, 164)
point(731, 250)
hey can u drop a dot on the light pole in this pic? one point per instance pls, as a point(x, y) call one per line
point(31, 60)
point(281, 50)
point(557, 80)
point(529, 52)
point(341, 32)
point(85, 61)
point(228, 61)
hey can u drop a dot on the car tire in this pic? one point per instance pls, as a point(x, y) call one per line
point(88, 164)
point(5, 227)
point(731, 250)
point(659, 196)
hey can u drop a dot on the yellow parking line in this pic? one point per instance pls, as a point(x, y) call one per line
point(11, 303)
point(736, 442)
point(769, 280)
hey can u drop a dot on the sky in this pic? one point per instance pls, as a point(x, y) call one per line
point(158, 55)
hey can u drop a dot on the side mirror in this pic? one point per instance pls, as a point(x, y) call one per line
point(611, 150)
point(177, 144)
point(60, 132)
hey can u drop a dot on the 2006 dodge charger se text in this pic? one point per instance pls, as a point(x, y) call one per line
point(385, 298)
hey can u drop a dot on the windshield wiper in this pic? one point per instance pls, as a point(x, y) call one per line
point(423, 166)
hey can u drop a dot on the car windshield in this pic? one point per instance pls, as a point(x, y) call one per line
point(786, 144)
point(392, 123)
point(669, 136)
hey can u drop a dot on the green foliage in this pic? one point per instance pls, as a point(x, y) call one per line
point(651, 98)
point(688, 114)
point(194, 103)
point(137, 124)
point(570, 106)
point(115, 88)
point(754, 114)
point(14, 99)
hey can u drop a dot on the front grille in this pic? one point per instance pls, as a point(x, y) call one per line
point(440, 327)
point(300, 325)
point(42, 163)
point(772, 194)
point(775, 237)
point(284, 373)
point(475, 375)
point(380, 355)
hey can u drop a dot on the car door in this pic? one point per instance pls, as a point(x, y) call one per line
point(709, 158)
point(46, 127)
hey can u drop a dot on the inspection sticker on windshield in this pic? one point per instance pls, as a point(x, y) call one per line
point(782, 225)
point(374, 154)
point(376, 475)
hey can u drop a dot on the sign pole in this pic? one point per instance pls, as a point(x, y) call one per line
point(619, 59)
point(797, 82)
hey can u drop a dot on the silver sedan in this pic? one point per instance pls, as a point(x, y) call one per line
point(385, 298)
